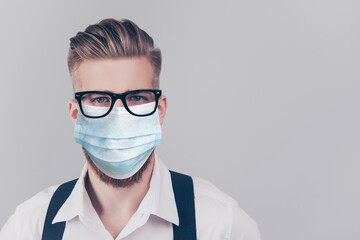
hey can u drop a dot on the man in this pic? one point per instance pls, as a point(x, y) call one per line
point(124, 191)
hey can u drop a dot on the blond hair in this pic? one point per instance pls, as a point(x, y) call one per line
point(111, 38)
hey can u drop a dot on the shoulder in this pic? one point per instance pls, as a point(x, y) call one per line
point(218, 215)
point(28, 219)
point(37, 202)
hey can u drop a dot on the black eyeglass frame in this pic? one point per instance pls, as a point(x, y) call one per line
point(122, 97)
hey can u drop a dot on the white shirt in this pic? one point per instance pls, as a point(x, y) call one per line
point(217, 215)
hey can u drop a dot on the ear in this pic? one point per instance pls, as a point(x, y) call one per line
point(162, 106)
point(73, 110)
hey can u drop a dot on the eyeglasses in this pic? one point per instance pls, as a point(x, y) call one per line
point(97, 104)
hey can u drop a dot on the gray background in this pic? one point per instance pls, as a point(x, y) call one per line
point(263, 102)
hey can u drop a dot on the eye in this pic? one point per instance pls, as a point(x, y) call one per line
point(137, 98)
point(100, 100)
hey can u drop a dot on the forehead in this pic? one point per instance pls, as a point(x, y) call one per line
point(115, 75)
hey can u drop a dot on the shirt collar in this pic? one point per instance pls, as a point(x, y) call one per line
point(164, 205)
point(159, 200)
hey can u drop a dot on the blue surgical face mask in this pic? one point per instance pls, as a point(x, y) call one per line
point(120, 143)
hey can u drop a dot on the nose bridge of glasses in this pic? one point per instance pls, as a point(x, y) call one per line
point(118, 101)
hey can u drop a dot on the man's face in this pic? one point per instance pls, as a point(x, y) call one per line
point(117, 76)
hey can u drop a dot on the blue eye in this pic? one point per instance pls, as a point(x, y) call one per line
point(137, 98)
point(100, 99)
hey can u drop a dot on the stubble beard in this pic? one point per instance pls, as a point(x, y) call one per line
point(118, 183)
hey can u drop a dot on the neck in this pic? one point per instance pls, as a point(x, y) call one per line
point(117, 202)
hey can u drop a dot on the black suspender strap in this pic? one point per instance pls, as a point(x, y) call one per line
point(56, 231)
point(184, 198)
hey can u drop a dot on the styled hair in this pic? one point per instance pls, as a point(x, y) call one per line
point(112, 39)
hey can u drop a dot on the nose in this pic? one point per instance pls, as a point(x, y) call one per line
point(118, 103)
